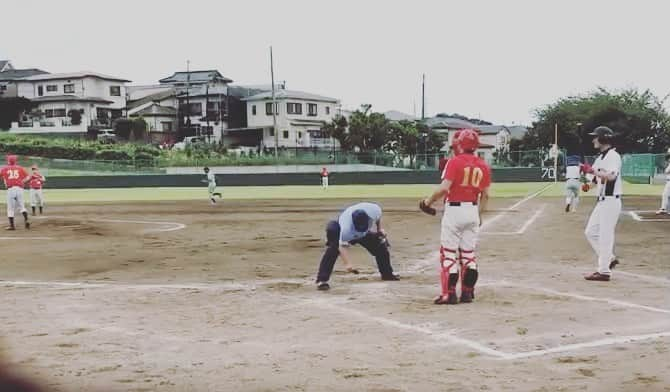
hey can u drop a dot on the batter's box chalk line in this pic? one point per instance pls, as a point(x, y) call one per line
point(450, 337)
point(636, 215)
point(165, 226)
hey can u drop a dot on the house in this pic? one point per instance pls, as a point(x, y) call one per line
point(492, 138)
point(5, 65)
point(299, 115)
point(158, 111)
point(10, 77)
point(71, 102)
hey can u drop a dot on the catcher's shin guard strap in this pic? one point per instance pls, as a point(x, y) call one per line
point(448, 259)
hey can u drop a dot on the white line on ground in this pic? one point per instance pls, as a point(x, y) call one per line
point(442, 336)
point(587, 298)
point(174, 225)
point(24, 238)
point(643, 277)
point(637, 217)
point(252, 285)
point(592, 344)
point(523, 228)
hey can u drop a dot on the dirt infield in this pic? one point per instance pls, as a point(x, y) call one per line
point(184, 296)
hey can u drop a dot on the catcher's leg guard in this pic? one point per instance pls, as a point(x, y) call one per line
point(469, 275)
point(448, 276)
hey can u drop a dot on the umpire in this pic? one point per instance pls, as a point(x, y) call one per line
point(358, 224)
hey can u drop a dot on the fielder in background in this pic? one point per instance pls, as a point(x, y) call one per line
point(15, 178)
point(465, 190)
point(601, 227)
point(358, 224)
point(211, 185)
point(36, 197)
point(324, 178)
point(665, 198)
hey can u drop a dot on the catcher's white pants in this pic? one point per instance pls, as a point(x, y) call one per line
point(324, 182)
point(36, 199)
point(600, 231)
point(460, 230)
point(666, 196)
point(15, 201)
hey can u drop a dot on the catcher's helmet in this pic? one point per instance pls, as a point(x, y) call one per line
point(361, 220)
point(468, 140)
point(604, 134)
point(454, 143)
point(11, 159)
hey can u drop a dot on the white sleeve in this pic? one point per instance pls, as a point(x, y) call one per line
point(667, 169)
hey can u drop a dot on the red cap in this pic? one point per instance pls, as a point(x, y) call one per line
point(11, 159)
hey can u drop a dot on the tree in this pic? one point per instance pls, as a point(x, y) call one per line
point(404, 139)
point(11, 110)
point(369, 131)
point(337, 129)
point(638, 118)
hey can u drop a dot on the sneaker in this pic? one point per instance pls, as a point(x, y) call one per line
point(466, 297)
point(391, 277)
point(661, 212)
point(597, 276)
point(567, 208)
point(10, 228)
point(614, 263)
point(446, 300)
point(322, 286)
point(27, 225)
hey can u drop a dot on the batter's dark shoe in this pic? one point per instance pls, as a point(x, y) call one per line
point(322, 286)
point(467, 297)
point(450, 299)
point(567, 208)
point(597, 276)
point(27, 225)
point(391, 277)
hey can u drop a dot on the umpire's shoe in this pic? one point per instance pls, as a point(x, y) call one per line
point(322, 286)
point(597, 276)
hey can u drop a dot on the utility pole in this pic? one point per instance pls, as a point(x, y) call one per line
point(188, 102)
point(274, 105)
point(423, 97)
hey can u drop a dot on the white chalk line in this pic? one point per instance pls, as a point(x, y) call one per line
point(249, 285)
point(643, 277)
point(25, 238)
point(637, 217)
point(174, 225)
point(423, 264)
point(523, 228)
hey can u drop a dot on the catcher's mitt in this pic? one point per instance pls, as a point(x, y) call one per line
point(425, 208)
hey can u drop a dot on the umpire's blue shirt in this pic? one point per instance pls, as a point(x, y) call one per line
point(347, 231)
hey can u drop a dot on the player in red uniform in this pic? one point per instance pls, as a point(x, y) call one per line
point(36, 182)
point(324, 177)
point(15, 178)
point(465, 189)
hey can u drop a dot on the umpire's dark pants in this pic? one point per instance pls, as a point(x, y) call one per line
point(372, 242)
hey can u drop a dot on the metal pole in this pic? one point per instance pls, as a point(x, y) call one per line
point(556, 156)
point(423, 97)
point(274, 105)
point(188, 101)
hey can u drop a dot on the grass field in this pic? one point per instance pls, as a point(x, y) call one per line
point(306, 192)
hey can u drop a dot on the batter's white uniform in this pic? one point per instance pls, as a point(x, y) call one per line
point(666, 190)
point(572, 185)
point(602, 224)
point(15, 201)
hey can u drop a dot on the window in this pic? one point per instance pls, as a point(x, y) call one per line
point(52, 88)
point(294, 108)
point(268, 108)
point(285, 134)
point(327, 110)
point(272, 132)
point(299, 135)
point(115, 91)
point(59, 113)
point(3, 87)
point(40, 90)
point(48, 113)
point(312, 111)
point(193, 109)
point(253, 110)
point(67, 89)
point(51, 113)
point(166, 126)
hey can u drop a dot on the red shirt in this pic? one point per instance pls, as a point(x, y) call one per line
point(324, 173)
point(13, 175)
point(36, 181)
point(469, 176)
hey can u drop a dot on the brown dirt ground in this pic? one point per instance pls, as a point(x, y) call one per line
point(228, 303)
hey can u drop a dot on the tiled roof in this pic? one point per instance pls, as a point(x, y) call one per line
point(70, 98)
point(290, 94)
point(156, 110)
point(74, 75)
point(195, 77)
point(14, 74)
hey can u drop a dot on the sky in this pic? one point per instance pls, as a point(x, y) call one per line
point(495, 60)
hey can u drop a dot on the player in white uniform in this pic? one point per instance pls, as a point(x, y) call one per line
point(572, 184)
point(600, 229)
point(666, 191)
point(211, 185)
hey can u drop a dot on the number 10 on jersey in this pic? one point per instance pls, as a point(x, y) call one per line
point(472, 176)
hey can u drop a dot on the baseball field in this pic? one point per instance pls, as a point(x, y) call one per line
point(156, 289)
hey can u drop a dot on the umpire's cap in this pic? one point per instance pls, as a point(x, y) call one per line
point(361, 220)
point(603, 132)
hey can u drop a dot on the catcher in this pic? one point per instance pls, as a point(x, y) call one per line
point(465, 190)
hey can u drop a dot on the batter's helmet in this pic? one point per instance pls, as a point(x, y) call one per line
point(604, 134)
point(361, 220)
point(11, 159)
point(468, 140)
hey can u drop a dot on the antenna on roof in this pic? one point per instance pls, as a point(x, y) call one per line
point(423, 97)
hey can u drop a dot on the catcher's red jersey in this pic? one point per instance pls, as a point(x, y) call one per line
point(469, 175)
point(36, 181)
point(13, 175)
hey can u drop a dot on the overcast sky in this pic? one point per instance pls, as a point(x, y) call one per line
point(494, 59)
